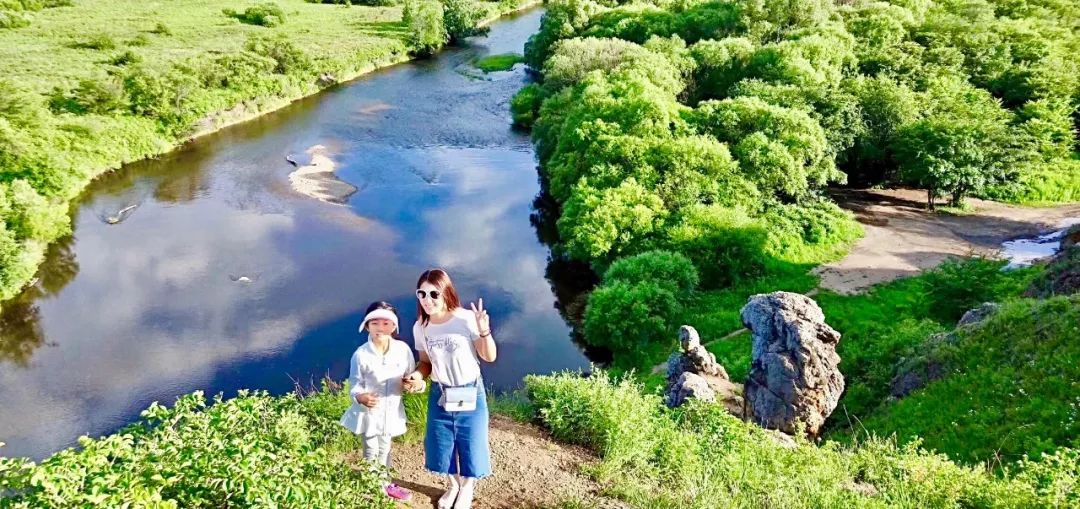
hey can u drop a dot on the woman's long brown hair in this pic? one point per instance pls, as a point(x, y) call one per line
point(440, 280)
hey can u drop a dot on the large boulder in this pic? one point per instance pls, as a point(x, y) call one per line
point(794, 372)
point(693, 373)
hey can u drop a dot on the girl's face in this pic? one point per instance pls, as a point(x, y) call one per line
point(380, 326)
point(431, 299)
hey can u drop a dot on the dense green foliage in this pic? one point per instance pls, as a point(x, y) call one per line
point(701, 456)
point(267, 14)
point(1011, 391)
point(962, 98)
point(93, 85)
point(249, 451)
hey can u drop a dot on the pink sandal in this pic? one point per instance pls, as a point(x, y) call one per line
point(397, 492)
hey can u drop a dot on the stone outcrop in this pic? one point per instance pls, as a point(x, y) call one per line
point(794, 373)
point(974, 316)
point(693, 373)
point(1062, 274)
point(931, 359)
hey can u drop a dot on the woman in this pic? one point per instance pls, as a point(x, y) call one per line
point(450, 342)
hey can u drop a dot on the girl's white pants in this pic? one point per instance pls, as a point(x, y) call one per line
point(377, 449)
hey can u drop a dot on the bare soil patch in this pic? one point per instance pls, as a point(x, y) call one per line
point(903, 238)
point(530, 468)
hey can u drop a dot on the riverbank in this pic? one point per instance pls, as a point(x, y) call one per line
point(91, 90)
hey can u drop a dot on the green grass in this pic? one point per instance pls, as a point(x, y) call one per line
point(701, 457)
point(1013, 388)
point(503, 62)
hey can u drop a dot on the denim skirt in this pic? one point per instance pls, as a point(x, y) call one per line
point(457, 442)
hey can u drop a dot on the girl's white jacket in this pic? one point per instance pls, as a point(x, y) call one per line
point(370, 371)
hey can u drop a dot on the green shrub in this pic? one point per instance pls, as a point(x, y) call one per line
point(172, 97)
point(139, 41)
point(665, 268)
point(267, 14)
point(97, 42)
point(28, 215)
point(602, 224)
point(90, 96)
point(427, 30)
point(291, 60)
point(725, 244)
point(461, 19)
point(625, 316)
point(125, 58)
point(161, 29)
point(13, 19)
point(962, 284)
point(249, 451)
point(525, 105)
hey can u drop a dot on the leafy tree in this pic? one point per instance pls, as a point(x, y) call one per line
point(427, 32)
point(665, 268)
point(725, 244)
point(627, 316)
point(720, 64)
point(783, 150)
point(602, 224)
point(462, 19)
point(960, 147)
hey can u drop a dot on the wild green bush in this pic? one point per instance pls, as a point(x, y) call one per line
point(726, 245)
point(461, 19)
point(100, 41)
point(526, 104)
point(248, 451)
point(427, 30)
point(97, 96)
point(665, 268)
point(267, 14)
point(624, 316)
point(14, 19)
point(700, 456)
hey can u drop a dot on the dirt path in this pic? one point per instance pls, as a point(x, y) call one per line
point(903, 239)
point(530, 470)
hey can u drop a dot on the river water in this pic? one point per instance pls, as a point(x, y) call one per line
point(149, 308)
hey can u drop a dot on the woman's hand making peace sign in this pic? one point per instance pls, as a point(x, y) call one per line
point(483, 323)
point(485, 344)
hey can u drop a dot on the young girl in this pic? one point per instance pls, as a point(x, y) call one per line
point(375, 380)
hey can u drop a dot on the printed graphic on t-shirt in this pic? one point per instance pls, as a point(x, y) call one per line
point(448, 343)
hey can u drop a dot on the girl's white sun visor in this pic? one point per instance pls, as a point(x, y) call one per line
point(379, 313)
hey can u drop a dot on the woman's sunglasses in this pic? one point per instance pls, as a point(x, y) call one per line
point(420, 294)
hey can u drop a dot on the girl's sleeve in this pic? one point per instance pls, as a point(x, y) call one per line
point(418, 337)
point(356, 378)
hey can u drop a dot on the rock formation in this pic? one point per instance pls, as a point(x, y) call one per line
point(693, 373)
point(794, 374)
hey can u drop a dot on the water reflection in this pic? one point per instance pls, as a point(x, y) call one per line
point(149, 311)
point(20, 328)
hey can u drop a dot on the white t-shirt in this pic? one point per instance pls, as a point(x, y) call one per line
point(371, 371)
point(450, 347)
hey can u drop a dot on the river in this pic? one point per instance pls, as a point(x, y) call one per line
point(223, 277)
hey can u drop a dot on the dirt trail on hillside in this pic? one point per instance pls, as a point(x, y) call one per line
point(903, 239)
point(530, 470)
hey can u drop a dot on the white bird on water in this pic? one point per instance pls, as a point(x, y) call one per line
point(121, 215)
point(244, 278)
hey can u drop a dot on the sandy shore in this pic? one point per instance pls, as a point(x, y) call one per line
point(903, 239)
point(317, 179)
